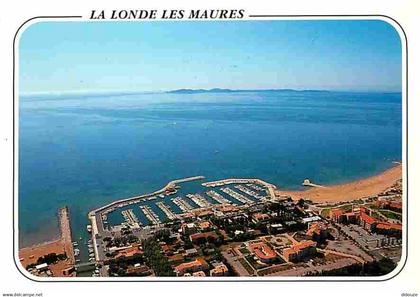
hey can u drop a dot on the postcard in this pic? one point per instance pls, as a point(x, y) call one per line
point(209, 145)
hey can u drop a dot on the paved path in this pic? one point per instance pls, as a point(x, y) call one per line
point(66, 233)
point(236, 265)
point(302, 271)
point(326, 252)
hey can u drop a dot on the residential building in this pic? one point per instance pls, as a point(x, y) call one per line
point(263, 251)
point(300, 250)
point(193, 266)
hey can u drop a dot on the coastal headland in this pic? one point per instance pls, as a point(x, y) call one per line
point(349, 191)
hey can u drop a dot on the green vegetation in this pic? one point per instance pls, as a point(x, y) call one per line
point(125, 240)
point(372, 206)
point(164, 235)
point(49, 259)
point(155, 259)
point(254, 263)
point(325, 212)
point(246, 266)
point(347, 207)
point(213, 253)
point(274, 269)
point(375, 215)
point(119, 266)
point(390, 214)
point(244, 250)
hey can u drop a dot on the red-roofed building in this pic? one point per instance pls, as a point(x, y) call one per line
point(318, 231)
point(202, 237)
point(389, 204)
point(263, 251)
point(367, 221)
point(362, 208)
point(389, 228)
point(260, 217)
point(396, 205)
point(188, 228)
point(352, 217)
point(127, 252)
point(299, 250)
point(219, 270)
point(139, 270)
point(203, 225)
point(340, 216)
point(336, 215)
point(193, 266)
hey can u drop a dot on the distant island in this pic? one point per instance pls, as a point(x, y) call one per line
point(219, 90)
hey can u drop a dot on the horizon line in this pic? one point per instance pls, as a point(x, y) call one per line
point(197, 90)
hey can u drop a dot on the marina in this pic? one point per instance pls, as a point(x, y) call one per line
point(226, 198)
point(150, 215)
point(236, 195)
point(199, 200)
point(182, 204)
point(254, 181)
point(225, 182)
point(229, 181)
point(219, 198)
point(167, 210)
point(131, 218)
point(152, 212)
point(255, 187)
point(248, 191)
point(169, 189)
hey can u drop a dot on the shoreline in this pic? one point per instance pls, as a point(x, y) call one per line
point(63, 245)
point(344, 192)
point(349, 191)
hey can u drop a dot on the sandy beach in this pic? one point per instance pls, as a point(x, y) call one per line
point(29, 255)
point(350, 191)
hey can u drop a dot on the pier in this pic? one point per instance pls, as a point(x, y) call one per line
point(66, 234)
point(62, 245)
point(150, 215)
point(99, 215)
point(131, 218)
point(182, 204)
point(168, 189)
point(224, 182)
point(184, 180)
point(255, 187)
point(308, 183)
point(219, 198)
point(199, 200)
point(237, 196)
point(167, 210)
point(249, 192)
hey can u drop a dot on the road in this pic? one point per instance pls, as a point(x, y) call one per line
point(302, 271)
point(233, 261)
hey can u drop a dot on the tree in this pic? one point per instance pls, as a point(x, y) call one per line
point(301, 202)
point(155, 258)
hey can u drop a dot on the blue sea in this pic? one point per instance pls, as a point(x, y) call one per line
point(86, 150)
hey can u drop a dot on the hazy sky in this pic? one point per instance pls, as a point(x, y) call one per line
point(150, 56)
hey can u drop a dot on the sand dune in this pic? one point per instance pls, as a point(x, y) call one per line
point(350, 191)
